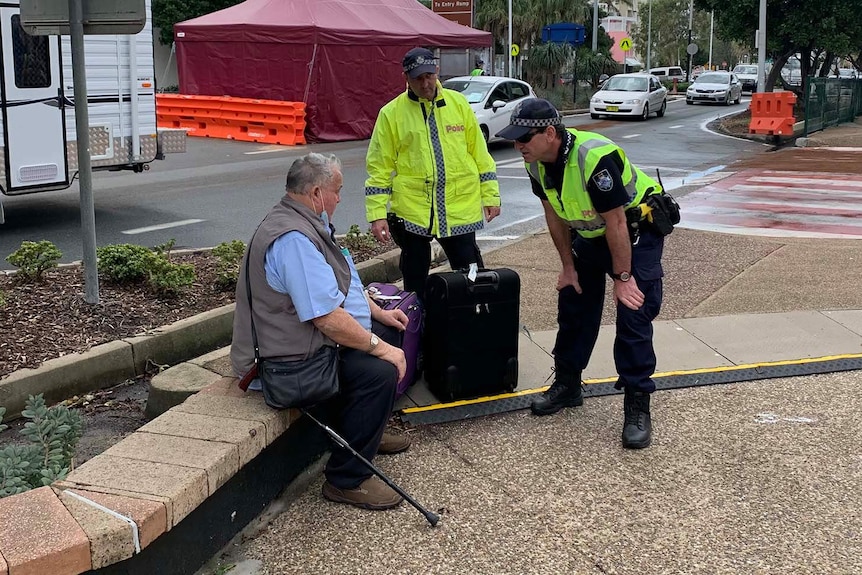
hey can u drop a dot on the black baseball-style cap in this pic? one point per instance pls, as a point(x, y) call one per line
point(419, 61)
point(528, 115)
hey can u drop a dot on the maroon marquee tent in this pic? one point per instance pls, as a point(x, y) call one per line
point(341, 57)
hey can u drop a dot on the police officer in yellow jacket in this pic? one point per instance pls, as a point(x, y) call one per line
point(587, 185)
point(428, 160)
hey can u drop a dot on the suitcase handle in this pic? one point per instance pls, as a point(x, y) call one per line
point(487, 281)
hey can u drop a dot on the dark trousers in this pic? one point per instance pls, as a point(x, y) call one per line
point(461, 250)
point(580, 315)
point(360, 412)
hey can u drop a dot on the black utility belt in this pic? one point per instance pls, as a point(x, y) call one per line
point(659, 212)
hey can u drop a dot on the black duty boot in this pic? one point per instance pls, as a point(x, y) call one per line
point(565, 392)
point(637, 429)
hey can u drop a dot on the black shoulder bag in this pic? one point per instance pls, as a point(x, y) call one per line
point(300, 383)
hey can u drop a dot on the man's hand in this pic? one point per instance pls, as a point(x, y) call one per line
point(394, 318)
point(568, 277)
point(628, 293)
point(395, 356)
point(380, 230)
point(491, 212)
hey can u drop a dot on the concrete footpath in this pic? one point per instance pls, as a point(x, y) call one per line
point(757, 477)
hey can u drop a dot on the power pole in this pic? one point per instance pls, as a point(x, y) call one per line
point(688, 59)
point(649, 38)
point(595, 25)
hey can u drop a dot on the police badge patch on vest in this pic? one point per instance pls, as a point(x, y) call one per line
point(603, 181)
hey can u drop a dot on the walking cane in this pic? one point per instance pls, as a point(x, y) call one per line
point(432, 518)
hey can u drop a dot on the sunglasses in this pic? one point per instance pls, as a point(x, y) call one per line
point(525, 139)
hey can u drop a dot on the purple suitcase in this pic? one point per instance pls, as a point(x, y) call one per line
point(389, 296)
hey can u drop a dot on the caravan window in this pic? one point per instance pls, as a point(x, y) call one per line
point(32, 57)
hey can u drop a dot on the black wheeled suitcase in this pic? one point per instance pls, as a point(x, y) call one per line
point(471, 333)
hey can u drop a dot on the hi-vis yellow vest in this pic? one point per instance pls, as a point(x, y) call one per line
point(573, 203)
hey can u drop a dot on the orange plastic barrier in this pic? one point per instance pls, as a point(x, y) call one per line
point(772, 113)
point(245, 119)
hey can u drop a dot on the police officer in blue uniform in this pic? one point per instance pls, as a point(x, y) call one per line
point(590, 193)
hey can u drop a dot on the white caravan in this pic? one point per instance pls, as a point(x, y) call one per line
point(38, 105)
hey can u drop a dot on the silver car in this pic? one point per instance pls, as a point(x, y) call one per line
point(747, 74)
point(715, 87)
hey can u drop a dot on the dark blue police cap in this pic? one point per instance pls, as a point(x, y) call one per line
point(530, 114)
point(419, 61)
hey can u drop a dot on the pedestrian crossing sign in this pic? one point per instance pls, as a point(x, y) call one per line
point(626, 44)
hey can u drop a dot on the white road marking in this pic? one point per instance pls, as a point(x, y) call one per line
point(631, 136)
point(677, 127)
point(496, 238)
point(513, 177)
point(510, 163)
point(268, 150)
point(161, 227)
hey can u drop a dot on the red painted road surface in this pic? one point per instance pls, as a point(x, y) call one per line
point(778, 203)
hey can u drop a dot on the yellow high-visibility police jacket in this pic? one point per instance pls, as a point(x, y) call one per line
point(573, 203)
point(429, 161)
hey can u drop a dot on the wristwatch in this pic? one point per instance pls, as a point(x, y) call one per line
point(373, 343)
point(622, 276)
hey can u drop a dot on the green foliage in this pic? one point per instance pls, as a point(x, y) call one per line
point(166, 13)
point(2, 300)
point(561, 96)
point(356, 240)
point(52, 434)
point(168, 279)
point(229, 256)
point(33, 258)
point(125, 263)
point(128, 263)
point(2, 413)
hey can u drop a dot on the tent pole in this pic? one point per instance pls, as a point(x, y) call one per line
point(310, 72)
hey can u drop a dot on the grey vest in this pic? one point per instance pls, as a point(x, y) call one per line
point(280, 334)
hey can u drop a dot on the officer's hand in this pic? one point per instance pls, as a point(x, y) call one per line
point(628, 294)
point(568, 277)
point(394, 318)
point(491, 212)
point(395, 356)
point(380, 230)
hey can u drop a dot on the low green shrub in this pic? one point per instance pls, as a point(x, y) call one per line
point(52, 434)
point(125, 263)
point(33, 258)
point(168, 279)
point(229, 256)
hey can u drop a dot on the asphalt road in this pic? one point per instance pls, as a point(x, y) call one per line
point(219, 190)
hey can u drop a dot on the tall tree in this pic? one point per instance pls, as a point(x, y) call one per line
point(166, 13)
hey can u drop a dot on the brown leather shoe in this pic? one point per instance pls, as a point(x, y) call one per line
point(392, 443)
point(371, 494)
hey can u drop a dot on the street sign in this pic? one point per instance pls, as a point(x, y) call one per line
point(564, 33)
point(515, 49)
point(460, 11)
point(49, 17)
point(626, 44)
point(691, 48)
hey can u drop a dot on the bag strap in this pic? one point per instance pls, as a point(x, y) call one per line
point(248, 293)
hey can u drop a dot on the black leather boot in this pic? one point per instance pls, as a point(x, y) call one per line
point(637, 429)
point(565, 392)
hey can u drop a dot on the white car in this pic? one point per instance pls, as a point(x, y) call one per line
point(636, 95)
point(492, 99)
point(747, 74)
point(715, 87)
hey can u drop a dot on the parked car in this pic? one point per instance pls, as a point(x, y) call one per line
point(747, 74)
point(636, 95)
point(847, 73)
point(492, 99)
point(668, 73)
point(716, 87)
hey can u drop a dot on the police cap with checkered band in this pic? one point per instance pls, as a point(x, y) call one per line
point(419, 61)
point(530, 114)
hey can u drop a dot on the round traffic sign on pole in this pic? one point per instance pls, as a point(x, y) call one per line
point(691, 48)
point(626, 44)
point(515, 49)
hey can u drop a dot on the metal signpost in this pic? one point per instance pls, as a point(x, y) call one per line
point(77, 18)
point(567, 33)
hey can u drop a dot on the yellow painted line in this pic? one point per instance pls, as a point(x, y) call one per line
point(719, 369)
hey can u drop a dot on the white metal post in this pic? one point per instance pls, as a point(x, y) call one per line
point(711, 23)
point(761, 48)
point(511, 71)
point(595, 25)
point(649, 38)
